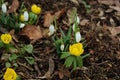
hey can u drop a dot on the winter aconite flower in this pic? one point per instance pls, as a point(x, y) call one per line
point(35, 9)
point(4, 8)
point(22, 17)
point(10, 74)
point(6, 38)
point(76, 49)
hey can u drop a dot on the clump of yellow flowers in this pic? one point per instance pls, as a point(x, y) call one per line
point(35, 9)
point(6, 38)
point(76, 49)
point(10, 74)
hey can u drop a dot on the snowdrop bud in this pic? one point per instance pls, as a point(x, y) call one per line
point(62, 47)
point(26, 16)
point(78, 19)
point(78, 36)
point(51, 29)
point(73, 27)
point(22, 25)
point(4, 8)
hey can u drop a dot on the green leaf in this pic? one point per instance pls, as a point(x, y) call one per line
point(13, 57)
point(79, 61)
point(15, 64)
point(1, 44)
point(69, 60)
point(18, 77)
point(68, 35)
point(30, 60)
point(86, 55)
point(63, 35)
point(7, 64)
point(29, 48)
point(64, 55)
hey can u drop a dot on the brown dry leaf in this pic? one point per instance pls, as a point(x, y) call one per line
point(75, 2)
point(32, 32)
point(84, 22)
point(58, 14)
point(12, 32)
point(117, 8)
point(109, 2)
point(48, 17)
point(113, 30)
point(14, 6)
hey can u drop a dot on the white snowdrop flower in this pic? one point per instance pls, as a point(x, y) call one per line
point(51, 29)
point(73, 27)
point(78, 36)
point(4, 8)
point(22, 25)
point(78, 19)
point(62, 47)
point(26, 16)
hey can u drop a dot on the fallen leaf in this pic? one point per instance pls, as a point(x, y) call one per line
point(12, 32)
point(58, 14)
point(14, 6)
point(117, 8)
point(109, 2)
point(48, 17)
point(113, 30)
point(32, 32)
point(84, 22)
point(75, 2)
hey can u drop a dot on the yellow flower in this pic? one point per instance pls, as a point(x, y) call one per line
point(35, 9)
point(6, 38)
point(22, 17)
point(76, 49)
point(10, 74)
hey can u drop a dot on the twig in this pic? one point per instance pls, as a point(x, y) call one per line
point(25, 66)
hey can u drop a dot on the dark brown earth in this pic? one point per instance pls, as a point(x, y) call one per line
point(104, 61)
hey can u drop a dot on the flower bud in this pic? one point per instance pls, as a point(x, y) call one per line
point(78, 19)
point(51, 29)
point(22, 25)
point(62, 47)
point(73, 27)
point(26, 16)
point(4, 8)
point(78, 36)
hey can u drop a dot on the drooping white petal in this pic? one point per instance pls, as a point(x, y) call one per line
point(4, 8)
point(22, 25)
point(26, 16)
point(78, 36)
point(73, 27)
point(62, 47)
point(78, 19)
point(51, 29)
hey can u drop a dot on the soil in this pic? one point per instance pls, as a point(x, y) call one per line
point(104, 60)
